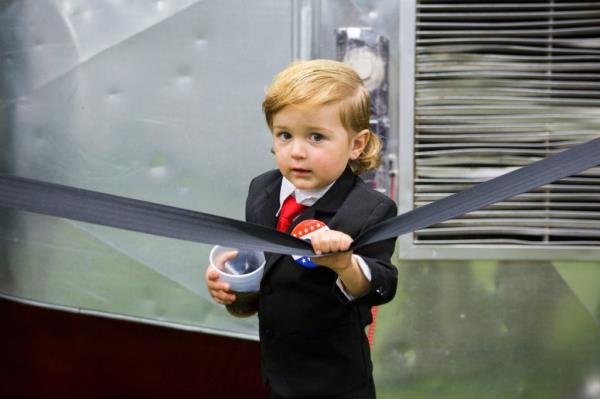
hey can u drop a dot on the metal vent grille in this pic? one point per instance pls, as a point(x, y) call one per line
point(499, 86)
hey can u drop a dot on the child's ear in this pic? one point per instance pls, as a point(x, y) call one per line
point(359, 142)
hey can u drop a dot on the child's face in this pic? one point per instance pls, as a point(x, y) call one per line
point(312, 147)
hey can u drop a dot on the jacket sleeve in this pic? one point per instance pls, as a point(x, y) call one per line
point(384, 275)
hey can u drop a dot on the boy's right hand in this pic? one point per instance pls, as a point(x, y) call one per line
point(218, 289)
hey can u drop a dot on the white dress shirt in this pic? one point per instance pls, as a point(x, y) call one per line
point(308, 198)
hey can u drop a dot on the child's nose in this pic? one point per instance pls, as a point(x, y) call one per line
point(298, 150)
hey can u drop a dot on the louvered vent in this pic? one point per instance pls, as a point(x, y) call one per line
point(498, 86)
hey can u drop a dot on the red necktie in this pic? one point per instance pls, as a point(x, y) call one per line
point(289, 210)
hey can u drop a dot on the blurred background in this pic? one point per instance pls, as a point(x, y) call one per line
point(161, 101)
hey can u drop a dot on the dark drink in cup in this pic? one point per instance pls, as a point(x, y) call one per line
point(242, 269)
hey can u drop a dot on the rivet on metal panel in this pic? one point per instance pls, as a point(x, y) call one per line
point(199, 41)
point(158, 171)
point(158, 166)
point(184, 185)
point(160, 5)
point(113, 93)
point(81, 12)
point(184, 76)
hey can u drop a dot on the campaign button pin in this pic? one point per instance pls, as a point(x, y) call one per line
point(305, 230)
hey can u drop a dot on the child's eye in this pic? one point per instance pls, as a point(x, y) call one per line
point(284, 136)
point(316, 136)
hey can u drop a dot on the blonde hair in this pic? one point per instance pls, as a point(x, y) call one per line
point(319, 82)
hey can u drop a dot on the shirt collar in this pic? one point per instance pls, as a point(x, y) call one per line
point(304, 197)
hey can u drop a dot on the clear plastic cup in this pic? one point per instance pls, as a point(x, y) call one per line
point(243, 272)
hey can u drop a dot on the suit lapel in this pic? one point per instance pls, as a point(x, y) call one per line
point(324, 209)
point(268, 204)
point(268, 207)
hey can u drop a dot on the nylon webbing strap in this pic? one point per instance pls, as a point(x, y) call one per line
point(563, 164)
point(141, 216)
point(146, 217)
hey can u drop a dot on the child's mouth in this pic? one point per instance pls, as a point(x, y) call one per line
point(300, 171)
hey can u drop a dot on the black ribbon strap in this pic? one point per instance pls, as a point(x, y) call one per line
point(141, 216)
point(563, 164)
point(146, 217)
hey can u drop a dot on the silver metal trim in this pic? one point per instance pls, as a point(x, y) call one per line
point(135, 319)
point(406, 112)
point(304, 28)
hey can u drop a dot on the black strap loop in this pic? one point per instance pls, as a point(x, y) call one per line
point(146, 217)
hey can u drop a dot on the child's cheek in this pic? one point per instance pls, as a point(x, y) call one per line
point(320, 162)
point(328, 162)
point(281, 158)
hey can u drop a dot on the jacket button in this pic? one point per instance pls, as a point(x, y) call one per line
point(268, 333)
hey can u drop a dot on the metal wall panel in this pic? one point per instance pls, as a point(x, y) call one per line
point(164, 104)
point(491, 329)
point(153, 100)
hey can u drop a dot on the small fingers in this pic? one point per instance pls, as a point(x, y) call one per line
point(330, 241)
point(224, 257)
point(218, 285)
point(213, 279)
point(222, 297)
point(218, 289)
point(211, 273)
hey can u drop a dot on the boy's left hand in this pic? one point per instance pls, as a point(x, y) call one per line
point(335, 243)
point(339, 259)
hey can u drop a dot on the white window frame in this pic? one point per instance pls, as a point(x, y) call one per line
point(405, 188)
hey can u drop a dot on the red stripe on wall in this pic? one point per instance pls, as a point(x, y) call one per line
point(50, 353)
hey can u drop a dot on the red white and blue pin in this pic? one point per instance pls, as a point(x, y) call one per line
point(304, 230)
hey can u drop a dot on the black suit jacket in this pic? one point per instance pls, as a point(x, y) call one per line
point(313, 340)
